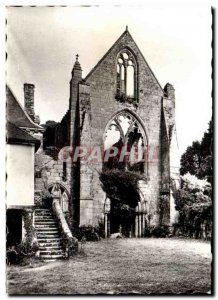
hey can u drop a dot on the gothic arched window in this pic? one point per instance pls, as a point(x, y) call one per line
point(125, 135)
point(126, 77)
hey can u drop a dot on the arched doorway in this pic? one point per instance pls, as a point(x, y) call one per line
point(122, 219)
point(57, 190)
point(129, 223)
point(124, 165)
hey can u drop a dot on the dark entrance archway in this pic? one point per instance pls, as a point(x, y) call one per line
point(122, 219)
point(121, 187)
point(14, 227)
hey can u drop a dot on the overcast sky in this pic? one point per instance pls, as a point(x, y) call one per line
point(175, 40)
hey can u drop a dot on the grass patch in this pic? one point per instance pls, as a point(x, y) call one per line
point(135, 266)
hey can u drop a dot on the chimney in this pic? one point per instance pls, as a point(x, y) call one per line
point(29, 100)
point(169, 91)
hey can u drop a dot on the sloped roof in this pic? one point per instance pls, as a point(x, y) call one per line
point(16, 135)
point(125, 33)
point(16, 114)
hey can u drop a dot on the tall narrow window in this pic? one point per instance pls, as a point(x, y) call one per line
point(64, 177)
point(130, 81)
point(126, 77)
point(122, 79)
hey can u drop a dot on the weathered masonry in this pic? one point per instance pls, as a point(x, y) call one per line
point(119, 103)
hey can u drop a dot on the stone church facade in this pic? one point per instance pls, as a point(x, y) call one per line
point(120, 97)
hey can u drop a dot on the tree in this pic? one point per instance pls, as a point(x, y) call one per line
point(121, 186)
point(197, 160)
point(193, 201)
point(49, 134)
point(207, 153)
point(191, 159)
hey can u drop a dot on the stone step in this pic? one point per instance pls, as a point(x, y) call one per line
point(43, 214)
point(47, 229)
point(49, 248)
point(42, 226)
point(51, 252)
point(42, 211)
point(48, 216)
point(48, 232)
point(49, 260)
point(58, 256)
point(49, 239)
point(48, 235)
point(39, 210)
point(43, 221)
point(46, 220)
point(49, 245)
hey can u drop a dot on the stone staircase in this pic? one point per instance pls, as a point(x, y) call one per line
point(48, 236)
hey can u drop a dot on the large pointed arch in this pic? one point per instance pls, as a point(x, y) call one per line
point(132, 133)
point(127, 110)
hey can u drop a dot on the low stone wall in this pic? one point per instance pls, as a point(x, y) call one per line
point(48, 172)
point(69, 243)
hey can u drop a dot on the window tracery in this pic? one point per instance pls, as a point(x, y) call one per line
point(125, 131)
point(126, 77)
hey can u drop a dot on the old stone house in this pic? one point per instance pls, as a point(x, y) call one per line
point(119, 104)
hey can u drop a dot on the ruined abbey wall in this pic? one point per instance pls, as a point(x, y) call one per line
point(103, 105)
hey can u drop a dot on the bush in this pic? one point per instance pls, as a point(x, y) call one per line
point(12, 256)
point(69, 246)
point(160, 231)
point(194, 204)
point(121, 186)
point(22, 252)
point(87, 233)
point(147, 232)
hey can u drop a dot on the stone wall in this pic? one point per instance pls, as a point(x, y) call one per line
point(48, 172)
point(102, 81)
point(92, 105)
point(86, 172)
